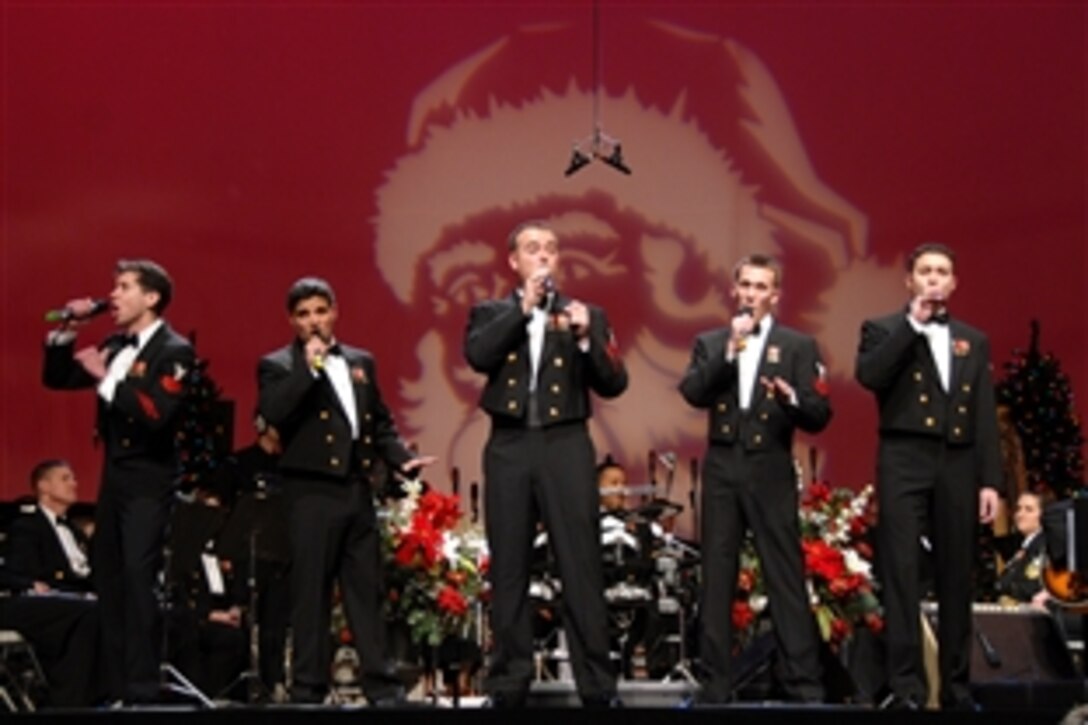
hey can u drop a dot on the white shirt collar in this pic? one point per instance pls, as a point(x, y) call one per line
point(144, 335)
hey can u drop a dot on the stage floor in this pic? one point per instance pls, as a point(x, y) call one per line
point(652, 703)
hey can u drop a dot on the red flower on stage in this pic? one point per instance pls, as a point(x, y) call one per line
point(840, 629)
point(742, 615)
point(845, 585)
point(435, 565)
point(818, 493)
point(440, 511)
point(450, 600)
point(822, 560)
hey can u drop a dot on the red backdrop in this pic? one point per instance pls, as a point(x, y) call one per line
point(389, 147)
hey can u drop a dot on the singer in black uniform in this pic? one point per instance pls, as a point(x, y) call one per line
point(140, 374)
point(542, 353)
point(758, 381)
point(323, 398)
point(938, 458)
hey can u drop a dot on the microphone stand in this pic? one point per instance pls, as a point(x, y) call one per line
point(256, 690)
point(170, 677)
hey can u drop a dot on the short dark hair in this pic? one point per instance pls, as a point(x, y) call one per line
point(762, 261)
point(307, 287)
point(512, 238)
point(43, 468)
point(609, 462)
point(930, 248)
point(151, 277)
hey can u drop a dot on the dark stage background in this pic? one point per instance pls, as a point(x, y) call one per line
point(390, 146)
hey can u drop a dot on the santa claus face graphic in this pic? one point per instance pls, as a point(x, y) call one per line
point(719, 172)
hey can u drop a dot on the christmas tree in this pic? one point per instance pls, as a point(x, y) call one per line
point(204, 433)
point(1040, 401)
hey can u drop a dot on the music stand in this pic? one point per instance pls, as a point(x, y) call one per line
point(256, 531)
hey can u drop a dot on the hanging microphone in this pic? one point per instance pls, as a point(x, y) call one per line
point(65, 314)
point(455, 480)
point(474, 500)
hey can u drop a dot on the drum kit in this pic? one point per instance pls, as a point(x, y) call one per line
point(650, 586)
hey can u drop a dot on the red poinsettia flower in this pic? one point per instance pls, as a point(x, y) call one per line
point(823, 560)
point(874, 622)
point(442, 511)
point(818, 493)
point(742, 615)
point(452, 601)
point(845, 585)
point(840, 629)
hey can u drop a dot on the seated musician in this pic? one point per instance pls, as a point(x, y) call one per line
point(207, 641)
point(612, 485)
point(48, 574)
point(1021, 579)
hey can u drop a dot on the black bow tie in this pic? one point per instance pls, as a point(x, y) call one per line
point(126, 340)
point(939, 318)
point(755, 330)
point(334, 349)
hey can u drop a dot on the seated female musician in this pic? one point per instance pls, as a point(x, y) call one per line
point(1021, 580)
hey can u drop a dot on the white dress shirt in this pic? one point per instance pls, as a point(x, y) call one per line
point(940, 346)
point(536, 326)
point(336, 367)
point(748, 362)
point(122, 362)
point(77, 559)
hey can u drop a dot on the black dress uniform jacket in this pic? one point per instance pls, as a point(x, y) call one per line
point(36, 553)
point(313, 426)
point(711, 383)
point(497, 344)
point(895, 363)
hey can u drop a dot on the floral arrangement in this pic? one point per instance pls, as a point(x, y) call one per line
point(435, 565)
point(834, 522)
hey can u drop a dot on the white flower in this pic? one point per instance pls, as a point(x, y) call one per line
point(855, 564)
point(451, 549)
point(758, 602)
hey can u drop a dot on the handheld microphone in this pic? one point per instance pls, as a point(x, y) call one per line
point(65, 314)
point(549, 294)
point(319, 358)
point(743, 312)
